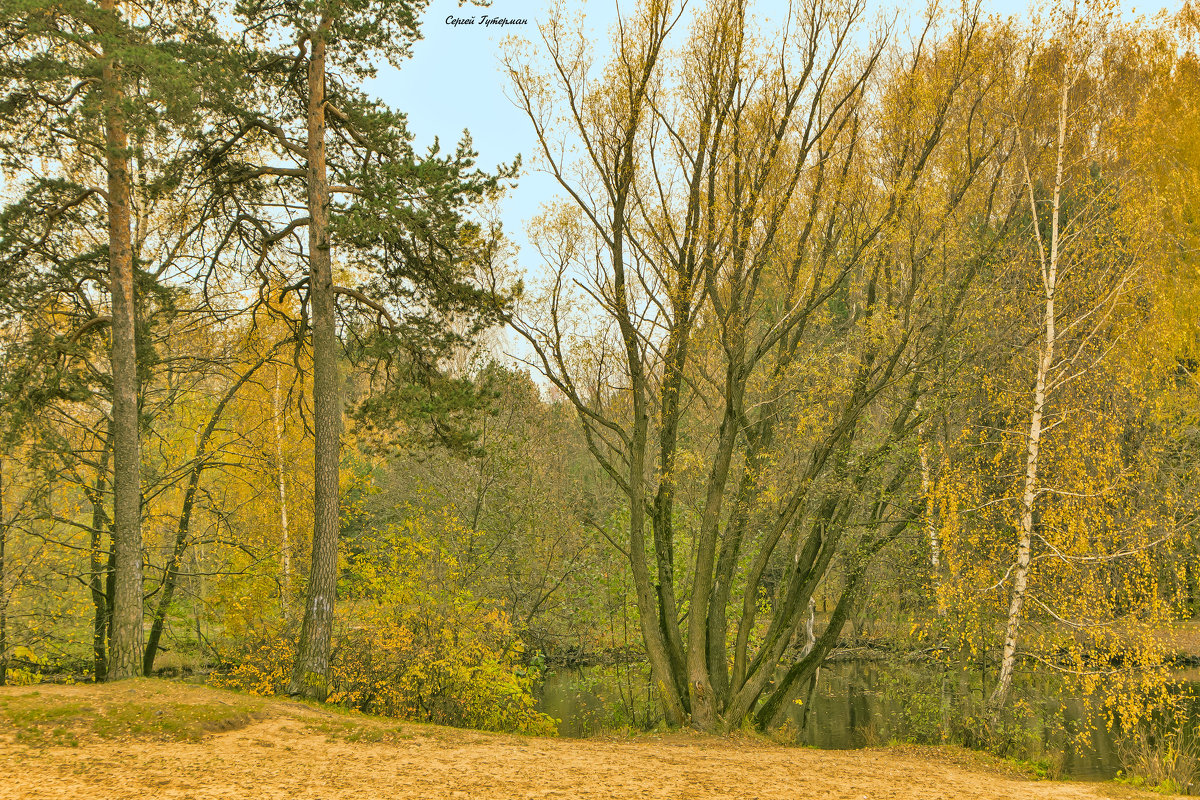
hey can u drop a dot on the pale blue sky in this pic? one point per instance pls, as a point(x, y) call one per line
point(453, 81)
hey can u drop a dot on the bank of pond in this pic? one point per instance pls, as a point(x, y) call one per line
point(859, 702)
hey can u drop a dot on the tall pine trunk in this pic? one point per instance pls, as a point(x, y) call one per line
point(310, 679)
point(126, 636)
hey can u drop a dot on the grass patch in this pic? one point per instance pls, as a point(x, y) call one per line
point(172, 721)
point(350, 731)
point(45, 725)
point(979, 760)
point(133, 709)
point(63, 716)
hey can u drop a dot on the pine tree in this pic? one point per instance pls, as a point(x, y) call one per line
point(395, 223)
point(95, 99)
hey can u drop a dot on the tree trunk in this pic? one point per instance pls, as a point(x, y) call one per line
point(1025, 535)
point(99, 567)
point(3, 596)
point(310, 678)
point(931, 526)
point(1191, 589)
point(127, 635)
point(931, 529)
point(1049, 268)
point(663, 508)
point(775, 707)
point(663, 669)
point(285, 546)
point(718, 627)
point(100, 608)
point(703, 703)
point(110, 590)
point(171, 573)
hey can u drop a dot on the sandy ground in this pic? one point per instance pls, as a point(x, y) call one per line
point(285, 755)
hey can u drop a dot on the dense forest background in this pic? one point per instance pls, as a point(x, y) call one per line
point(839, 337)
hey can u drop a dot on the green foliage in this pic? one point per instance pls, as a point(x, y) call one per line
point(453, 680)
point(406, 225)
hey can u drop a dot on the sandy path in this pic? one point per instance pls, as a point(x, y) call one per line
point(283, 757)
point(279, 759)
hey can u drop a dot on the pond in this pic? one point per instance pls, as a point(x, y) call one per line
point(859, 703)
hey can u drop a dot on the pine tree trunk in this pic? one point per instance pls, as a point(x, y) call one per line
point(310, 678)
point(126, 635)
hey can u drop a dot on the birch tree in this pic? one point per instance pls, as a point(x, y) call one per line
point(1055, 159)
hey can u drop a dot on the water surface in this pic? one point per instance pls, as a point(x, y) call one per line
point(864, 703)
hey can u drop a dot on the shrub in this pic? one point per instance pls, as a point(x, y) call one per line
point(399, 664)
point(1163, 759)
point(406, 664)
point(409, 643)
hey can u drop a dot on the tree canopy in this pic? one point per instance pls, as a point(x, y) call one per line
point(836, 334)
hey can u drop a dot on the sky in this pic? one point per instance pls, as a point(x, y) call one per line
point(453, 82)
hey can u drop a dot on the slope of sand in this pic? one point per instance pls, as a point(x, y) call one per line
point(289, 750)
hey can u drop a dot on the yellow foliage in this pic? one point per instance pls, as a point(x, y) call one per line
point(415, 646)
point(405, 664)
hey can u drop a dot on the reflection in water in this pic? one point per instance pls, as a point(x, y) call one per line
point(587, 700)
point(863, 703)
point(855, 704)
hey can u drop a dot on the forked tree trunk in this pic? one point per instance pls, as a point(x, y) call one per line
point(662, 669)
point(126, 635)
point(1048, 263)
point(703, 702)
point(310, 678)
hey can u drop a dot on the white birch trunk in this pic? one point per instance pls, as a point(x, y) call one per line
point(935, 543)
point(1048, 262)
point(285, 547)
